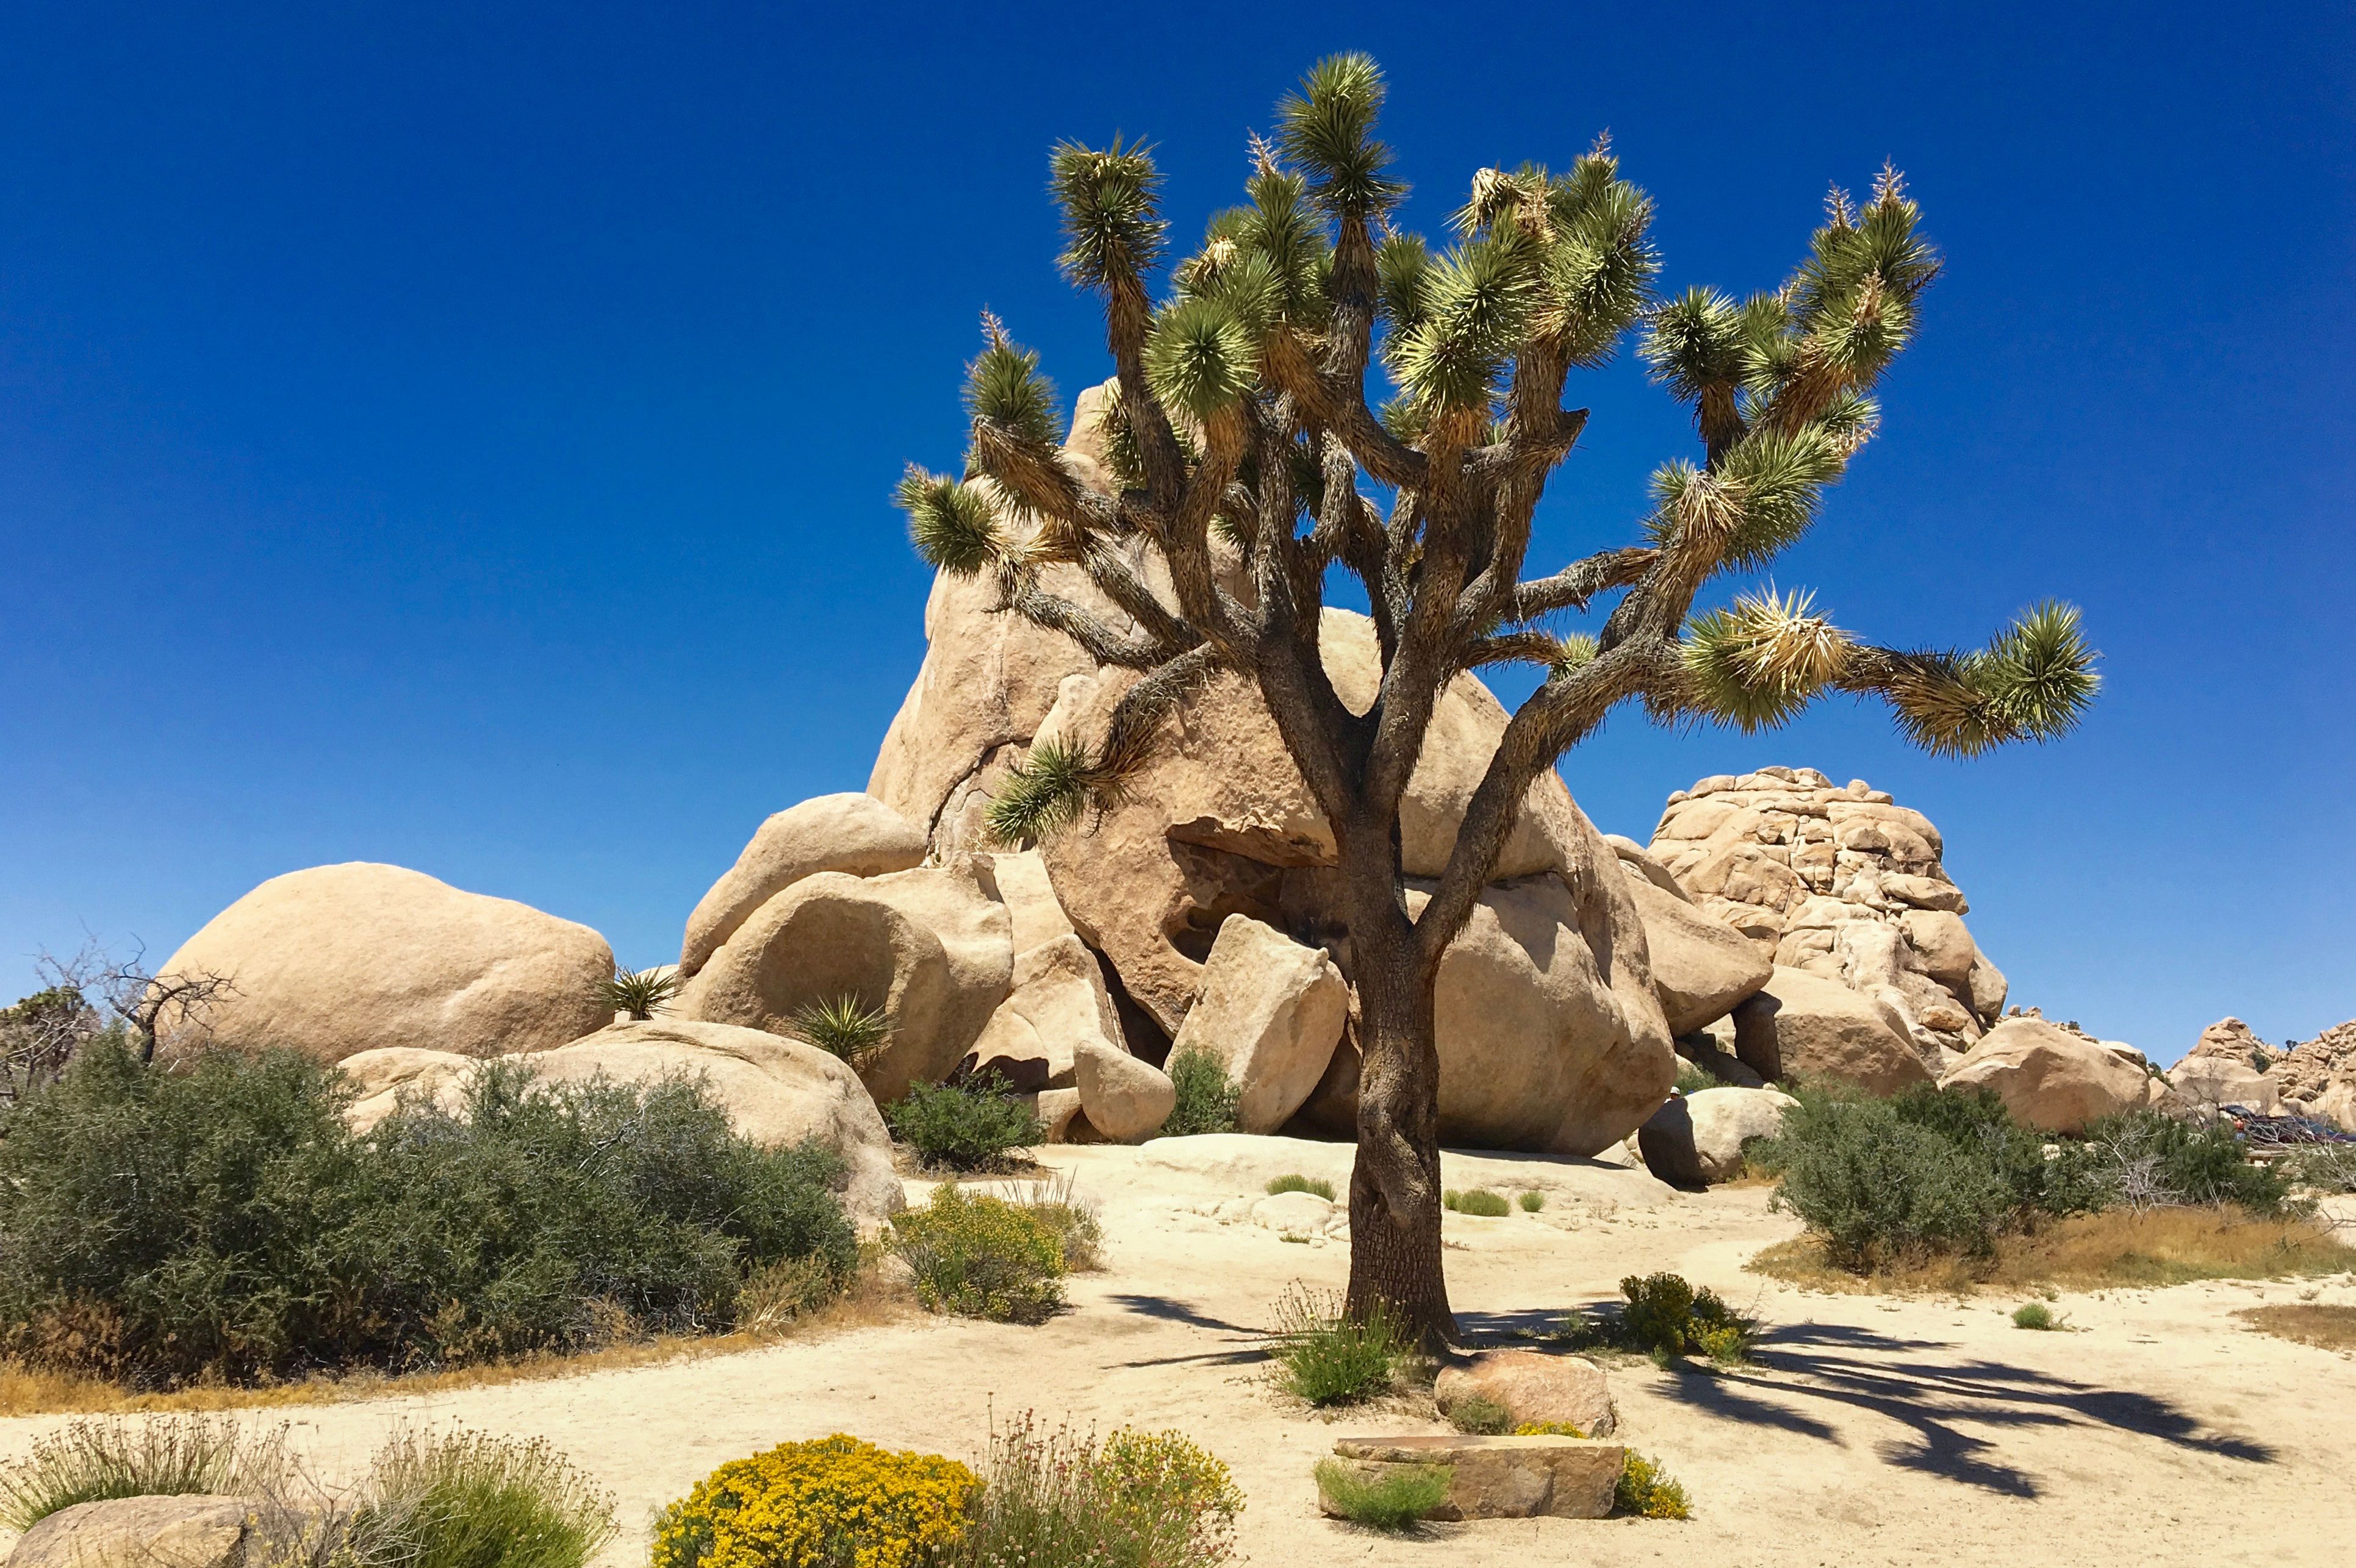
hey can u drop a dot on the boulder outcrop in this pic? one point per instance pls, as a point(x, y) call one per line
point(340, 959)
point(2056, 1078)
point(1271, 1012)
point(2318, 1077)
point(1701, 966)
point(932, 948)
point(1802, 1025)
point(1844, 884)
point(1058, 1001)
point(854, 834)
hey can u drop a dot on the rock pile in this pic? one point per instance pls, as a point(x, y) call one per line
point(2230, 1066)
point(1843, 884)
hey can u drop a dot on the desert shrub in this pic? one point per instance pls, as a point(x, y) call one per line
point(844, 1026)
point(1398, 1497)
point(979, 1256)
point(1647, 1491)
point(1532, 1202)
point(1327, 1357)
point(1479, 1200)
point(2327, 1168)
point(971, 1124)
point(774, 1295)
point(1480, 1417)
point(1138, 1499)
point(221, 1221)
point(1666, 1316)
point(1298, 1183)
point(467, 1500)
point(638, 992)
point(2147, 1159)
point(91, 1461)
point(1056, 1202)
point(2035, 1315)
point(1693, 1078)
point(1208, 1097)
point(834, 1501)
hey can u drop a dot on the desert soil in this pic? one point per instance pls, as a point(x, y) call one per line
point(2156, 1429)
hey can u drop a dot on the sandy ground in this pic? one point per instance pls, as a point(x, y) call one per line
point(2159, 1431)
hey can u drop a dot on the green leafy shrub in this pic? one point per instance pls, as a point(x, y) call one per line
point(979, 1256)
point(638, 992)
point(92, 1461)
point(1533, 1202)
point(1208, 1097)
point(2147, 1159)
point(1151, 1500)
point(222, 1221)
point(2035, 1315)
point(1398, 1497)
point(467, 1500)
point(1693, 1078)
point(973, 1125)
point(1647, 1491)
point(1479, 1200)
point(1480, 1417)
point(1056, 1202)
point(832, 1501)
point(1297, 1183)
point(1666, 1316)
point(844, 1026)
point(1327, 1357)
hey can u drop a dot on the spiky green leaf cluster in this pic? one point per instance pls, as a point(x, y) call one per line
point(845, 1028)
point(1328, 128)
point(1757, 663)
point(1478, 302)
point(1112, 217)
point(1201, 356)
point(638, 992)
point(1003, 386)
point(951, 523)
point(1041, 795)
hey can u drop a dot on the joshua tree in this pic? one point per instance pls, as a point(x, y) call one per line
point(1243, 428)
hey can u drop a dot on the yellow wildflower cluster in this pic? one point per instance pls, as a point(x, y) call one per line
point(1547, 1429)
point(834, 1500)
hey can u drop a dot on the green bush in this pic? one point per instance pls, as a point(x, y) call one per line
point(1328, 1357)
point(1479, 1200)
point(2145, 1158)
point(1056, 1202)
point(979, 1256)
point(1480, 1417)
point(1399, 1497)
point(1208, 1097)
point(467, 1500)
point(223, 1221)
point(2036, 1315)
point(971, 1124)
point(1666, 1316)
point(1647, 1491)
point(1138, 1499)
point(1318, 1185)
point(1533, 1202)
point(91, 1461)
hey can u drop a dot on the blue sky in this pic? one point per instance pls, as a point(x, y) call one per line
point(462, 436)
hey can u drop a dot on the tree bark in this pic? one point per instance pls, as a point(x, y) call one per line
point(1395, 1264)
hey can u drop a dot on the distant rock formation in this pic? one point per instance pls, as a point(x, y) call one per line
point(1841, 883)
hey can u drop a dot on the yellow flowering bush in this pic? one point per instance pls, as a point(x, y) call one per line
point(836, 1502)
point(979, 1257)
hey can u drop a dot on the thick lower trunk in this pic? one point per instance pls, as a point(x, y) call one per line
point(1394, 1191)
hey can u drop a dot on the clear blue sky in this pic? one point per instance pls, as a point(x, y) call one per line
point(461, 436)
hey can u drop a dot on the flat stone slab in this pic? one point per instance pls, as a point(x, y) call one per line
point(1503, 1477)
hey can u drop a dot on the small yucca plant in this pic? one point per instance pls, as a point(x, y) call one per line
point(845, 1027)
point(638, 992)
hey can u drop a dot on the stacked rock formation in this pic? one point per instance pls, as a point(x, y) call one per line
point(1841, 884)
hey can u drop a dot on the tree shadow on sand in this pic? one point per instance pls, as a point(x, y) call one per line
point(1907, 1382)
point(1252, 1342)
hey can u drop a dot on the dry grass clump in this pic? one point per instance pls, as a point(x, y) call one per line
point(94, 1461)
point(2117, 1247)
point(2308, 1323)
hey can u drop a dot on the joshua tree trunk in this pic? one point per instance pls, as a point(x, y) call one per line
point(1243, 417)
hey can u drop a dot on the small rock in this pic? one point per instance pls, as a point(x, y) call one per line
point(193, 1531)
point(1504, 1478)
point(1533, 1387)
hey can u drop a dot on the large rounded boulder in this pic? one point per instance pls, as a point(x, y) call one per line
point(932, 948)
point(340, 959)
point(2056, 1078)
point(1804, 1026)
point(854, 834)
